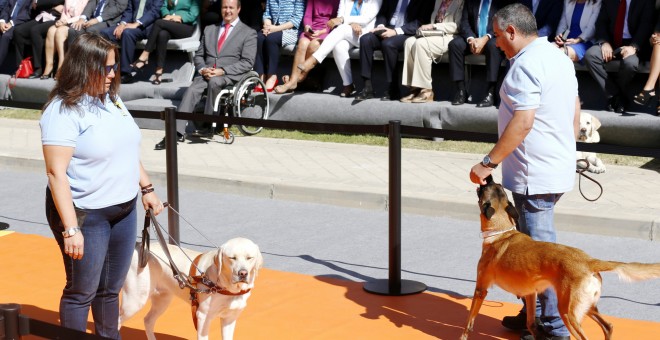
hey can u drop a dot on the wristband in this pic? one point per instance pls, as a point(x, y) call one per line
point(146, 191)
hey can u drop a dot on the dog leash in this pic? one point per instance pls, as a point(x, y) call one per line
point(580, 171)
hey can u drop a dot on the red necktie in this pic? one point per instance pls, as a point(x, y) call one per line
point(223, 37)
point(618, 26)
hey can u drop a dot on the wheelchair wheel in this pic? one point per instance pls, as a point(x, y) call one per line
point(251, 104)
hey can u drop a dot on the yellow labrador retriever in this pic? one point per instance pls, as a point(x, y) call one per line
point(589, 126)
point(232, 269)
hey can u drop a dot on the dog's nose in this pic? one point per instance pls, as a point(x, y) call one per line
point(242, 273)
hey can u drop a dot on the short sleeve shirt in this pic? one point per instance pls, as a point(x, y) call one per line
point(105, 168)
point(540, 78)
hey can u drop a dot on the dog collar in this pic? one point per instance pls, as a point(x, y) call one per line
point(491, 233)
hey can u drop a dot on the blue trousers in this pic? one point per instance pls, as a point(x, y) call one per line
point(537, 220)
point(268, 53)
point(96, 279)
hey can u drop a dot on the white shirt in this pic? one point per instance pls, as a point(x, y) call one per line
point(543, 79)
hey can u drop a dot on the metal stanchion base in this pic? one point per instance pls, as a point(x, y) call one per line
point(382, 287)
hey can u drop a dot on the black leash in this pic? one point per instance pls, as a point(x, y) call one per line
point(580, 171)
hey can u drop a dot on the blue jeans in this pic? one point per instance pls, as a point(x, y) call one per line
point(96, 279)
point(537, 220)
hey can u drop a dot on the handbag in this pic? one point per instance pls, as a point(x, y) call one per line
point(25, 68)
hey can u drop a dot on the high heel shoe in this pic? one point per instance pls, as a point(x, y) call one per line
point(46, 75)
point(157, 79)
point(135, 67)
point(644, 97)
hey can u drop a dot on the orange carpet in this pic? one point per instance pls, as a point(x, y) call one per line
point(282, 306)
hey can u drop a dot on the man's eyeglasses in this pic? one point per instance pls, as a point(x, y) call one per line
point(109, 68)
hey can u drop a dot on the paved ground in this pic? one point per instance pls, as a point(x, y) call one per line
point(434, 183)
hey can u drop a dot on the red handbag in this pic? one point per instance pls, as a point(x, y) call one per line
point(25, 68)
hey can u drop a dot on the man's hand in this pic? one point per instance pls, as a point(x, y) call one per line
point(606, 51)
point(59, 23)
point(479, 172)
point(118, 31)
point(90, 23)
point(5, 26)
point(477, 44)
point(210, 72)
point(388, 33)
point(627, 51)
point(78, 25)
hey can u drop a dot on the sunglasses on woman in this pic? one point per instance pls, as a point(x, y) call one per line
point(109, 68)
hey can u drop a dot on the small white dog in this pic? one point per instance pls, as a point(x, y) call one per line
point(589, 134)
point(232, 268)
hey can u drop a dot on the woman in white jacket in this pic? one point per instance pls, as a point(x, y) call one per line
point(354, 18)
point(430, 43)
point(577, 27)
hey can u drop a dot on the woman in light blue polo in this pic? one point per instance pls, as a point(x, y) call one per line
point(281, 24)
point(91, 148)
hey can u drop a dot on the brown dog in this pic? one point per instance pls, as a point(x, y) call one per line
point(522, 266)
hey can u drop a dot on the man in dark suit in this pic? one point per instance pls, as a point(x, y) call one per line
point(616, 41)
point(396, 21)
point(476, 37)
point(135, 25)
point(15, 13)
point(98, 15)
point(225, 54)
point(547, 14)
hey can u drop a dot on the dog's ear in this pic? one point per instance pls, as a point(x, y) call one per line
point(489, 179)
point(218, 259)
point(595, 123)
point(487, 210)
point(512, 212)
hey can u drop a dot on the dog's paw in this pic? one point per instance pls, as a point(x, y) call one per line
point(596, 170)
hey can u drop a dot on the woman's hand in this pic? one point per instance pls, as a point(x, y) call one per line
point(655, 39)
point(151, 201)
point(332, 23)
point(573, 41)
point(357, 29)
point(74, 246)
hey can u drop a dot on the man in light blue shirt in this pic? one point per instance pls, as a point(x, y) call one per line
point(537, 124)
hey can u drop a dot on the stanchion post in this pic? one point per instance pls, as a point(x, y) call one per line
point(394, 285)
point(9, 327)
point(172, 174)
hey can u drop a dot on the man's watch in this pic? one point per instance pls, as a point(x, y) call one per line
point(487, 163)
point(70, 232)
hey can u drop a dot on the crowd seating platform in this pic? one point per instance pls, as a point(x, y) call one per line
point(637, 128)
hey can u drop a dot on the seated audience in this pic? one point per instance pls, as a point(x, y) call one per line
point(577, 27)
point(14, 14)
point(281, 22)
point(547, 14)
point(650, 88)
point(178, 21)
point(354, 18)
point(98, 15)
point(225, 54)
point(396, 21)
point(134, 26)
point(315, 29)
point(58, 33)
point(476, 37)
point(422, 50)
point(251, 14)
point(622, 30)
point(33, 32)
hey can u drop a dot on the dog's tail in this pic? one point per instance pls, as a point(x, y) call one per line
point(633, 271)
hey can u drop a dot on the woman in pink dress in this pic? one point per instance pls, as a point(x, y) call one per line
point(315, 29)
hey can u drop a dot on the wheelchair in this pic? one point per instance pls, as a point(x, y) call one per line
point(240, 100)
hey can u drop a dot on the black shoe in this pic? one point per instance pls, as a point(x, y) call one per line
point(205, 133)
point(526, 335)
point(611, 103)
point(364, 95)
point(460, 98)
point(620, 106)
point(386, 97)
point(161, 145)
point(488, 101)
point(516, 323)
point(127, 79)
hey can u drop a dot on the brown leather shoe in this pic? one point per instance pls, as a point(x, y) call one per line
point(424, 96)
point(347, 91)
point(414, 92)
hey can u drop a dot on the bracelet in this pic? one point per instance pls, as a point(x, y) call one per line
point(147, 191)
point(147, 186)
